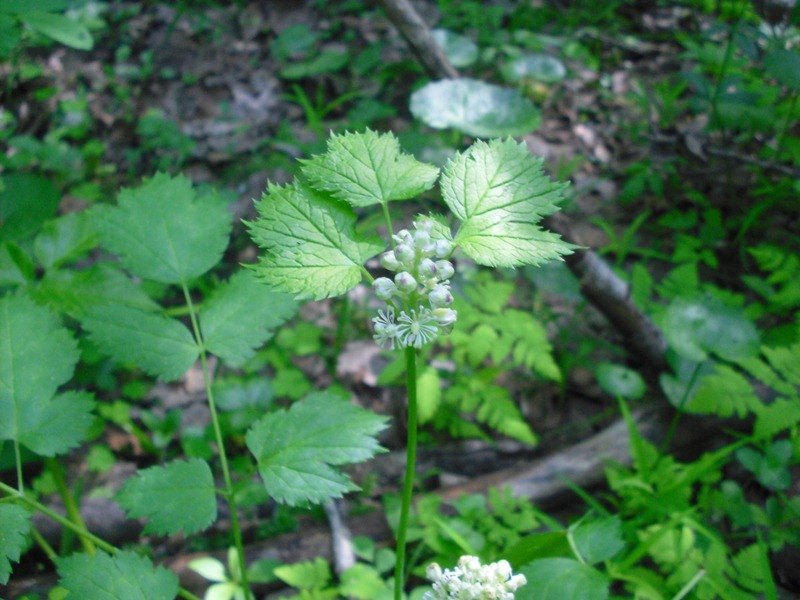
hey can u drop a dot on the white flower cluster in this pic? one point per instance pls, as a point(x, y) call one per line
point(471, 580)
point(418, 297)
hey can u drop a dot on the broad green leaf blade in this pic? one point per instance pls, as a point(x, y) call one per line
point(163, 231)
point(176, 497)
point(161, 346)
point(538, 545)
point(702, 325)
point(15, 522)
point(474, 107)
point(562, 579)
point(124, 576)
point(60, 28)
point(500, 193)
point(37, 355)
point(308, 575)
point(541, 67)
point(312, 249)
point(241, 315)
point(368, 168)
point(64, 240)
point(298, 449)
point(620, 381)
point(460, 50)
point(75, 292)
point(784, 65)
point(598, 540)
point(26, 201)
point(59, 425)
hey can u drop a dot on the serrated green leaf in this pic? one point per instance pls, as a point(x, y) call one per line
point(59, 425)
point(176, 497)
point(562, 579)
point(598, 540)
point(538, 545)
point(15, 522)
point(26, 201)
point(37, 355)
point(499, 193)
point(161, 346)
point(368, 168)
point(298, 449)
point(74, 292)
point(64, 240)
point(363, 582)
point(163, 231)
point(782, 414)
point(124, 576)
point(241, 315)
point(312, 249)
point(723, 392)
point(309, 575)
point(474, 107)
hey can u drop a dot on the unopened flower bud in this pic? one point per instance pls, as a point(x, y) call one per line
point(426, 269)
point(440, 296)
point(405, 282)
point(443, 248)
point(421, 239)
point(404, 237)
point(404, 253)
point(444, 270)
point(424, 224)
point(384, 287)
point(446, 318)
point(389, 261)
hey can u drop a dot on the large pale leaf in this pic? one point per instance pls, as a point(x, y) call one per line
point(474, 107)
point(37, 355)
point(161, 346)
point(177, 497)
point(15, 522)
point(297, 450)
point(241, 315)
point(124, 576)
point(562, 579)
point(312, 250)
point(702, 325)
point(163, 231)
point(368, 168)
point(500, 193)
point(460, 50)
point(541, 67)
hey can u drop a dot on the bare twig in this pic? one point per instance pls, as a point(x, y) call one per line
point(419, 37)
point(344, 555)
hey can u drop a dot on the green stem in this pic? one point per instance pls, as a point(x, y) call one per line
point(676, 419)
point(408, 480)
point(73, 512)
point(230, 494)
point(18, 462)
point(388, 218)
point(52, 555)
point(723, 69)
point(81, 532)
point(785, 128)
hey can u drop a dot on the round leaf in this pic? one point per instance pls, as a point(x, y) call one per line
point(474, 107)
point(541, 67)
point(620, 381)
point(459, 49)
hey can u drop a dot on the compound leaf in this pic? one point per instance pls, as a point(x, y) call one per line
point(312, 249)
point(176, 497)
point(124, 576)
point(241, 315)
point(598, 540)
point(298, 449)
point(15, 522)
point(161, 346)
point(499, 193)
point(368, 168)
point(37, 355)
point(163, 231)
point(59, 425)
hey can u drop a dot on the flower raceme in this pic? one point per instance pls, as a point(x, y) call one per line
point(418, 297)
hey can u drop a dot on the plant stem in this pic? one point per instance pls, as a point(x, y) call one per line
point(786, 123)
point(408, 480)
point(73, 512)
point(230, 494)
point(388, 218)
point(52, 555)
point(18, 462)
